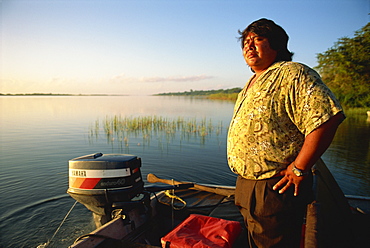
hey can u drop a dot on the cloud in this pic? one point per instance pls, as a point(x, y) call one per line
point(175, 79)
point(123, 78)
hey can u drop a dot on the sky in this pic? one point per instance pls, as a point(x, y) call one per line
point(142, 47)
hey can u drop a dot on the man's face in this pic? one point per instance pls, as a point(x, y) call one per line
point(257, 52)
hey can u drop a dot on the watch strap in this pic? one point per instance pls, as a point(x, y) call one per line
point(299, 171)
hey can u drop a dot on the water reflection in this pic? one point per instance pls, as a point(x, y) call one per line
point(349, 155)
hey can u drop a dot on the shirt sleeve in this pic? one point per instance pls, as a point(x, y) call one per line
point(309, 102)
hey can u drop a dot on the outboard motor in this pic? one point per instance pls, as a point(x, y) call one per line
point(107, 182)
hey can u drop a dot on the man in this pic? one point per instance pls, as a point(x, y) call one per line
point(284, 120)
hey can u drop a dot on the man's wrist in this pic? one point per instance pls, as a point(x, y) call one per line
point(299, 172)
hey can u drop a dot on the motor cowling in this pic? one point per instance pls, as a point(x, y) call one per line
point(100, 181)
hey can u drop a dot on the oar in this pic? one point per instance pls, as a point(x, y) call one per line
point(220, 191)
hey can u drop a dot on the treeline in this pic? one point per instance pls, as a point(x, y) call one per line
point(228, 94)
point(53, 94)
point(345, 68)
point(35, 94)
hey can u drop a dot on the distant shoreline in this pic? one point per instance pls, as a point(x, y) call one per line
point(221, 94)
point(51, 94)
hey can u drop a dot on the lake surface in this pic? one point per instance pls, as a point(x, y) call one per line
point(39, 135)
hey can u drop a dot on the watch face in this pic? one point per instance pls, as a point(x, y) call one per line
point(297, 172)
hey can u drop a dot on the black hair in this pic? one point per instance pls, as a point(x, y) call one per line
point(275, 34)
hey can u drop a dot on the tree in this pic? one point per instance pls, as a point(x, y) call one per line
point(345, 68)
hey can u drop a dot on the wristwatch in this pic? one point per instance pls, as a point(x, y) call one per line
point(298, 172)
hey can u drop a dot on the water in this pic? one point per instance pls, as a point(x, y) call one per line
point(40, 134)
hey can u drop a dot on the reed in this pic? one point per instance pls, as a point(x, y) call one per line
point(359, 111)
point(121, 129)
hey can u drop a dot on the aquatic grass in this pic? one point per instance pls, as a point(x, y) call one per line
point(119, 129)
point(358, 111)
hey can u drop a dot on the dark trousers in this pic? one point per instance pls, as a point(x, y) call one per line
point(272, 219)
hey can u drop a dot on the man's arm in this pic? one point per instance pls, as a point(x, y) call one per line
point(313, 147)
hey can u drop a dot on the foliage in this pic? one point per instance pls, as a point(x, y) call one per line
point(201, 92)
point(345, 68)
point(224, 96)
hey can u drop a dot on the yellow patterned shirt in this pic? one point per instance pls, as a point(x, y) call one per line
point(286, 103)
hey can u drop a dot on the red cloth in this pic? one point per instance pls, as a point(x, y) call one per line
point(199, 231)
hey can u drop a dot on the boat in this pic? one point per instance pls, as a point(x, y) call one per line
point(157, 214)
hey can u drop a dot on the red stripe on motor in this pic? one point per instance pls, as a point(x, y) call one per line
point(89, 183)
